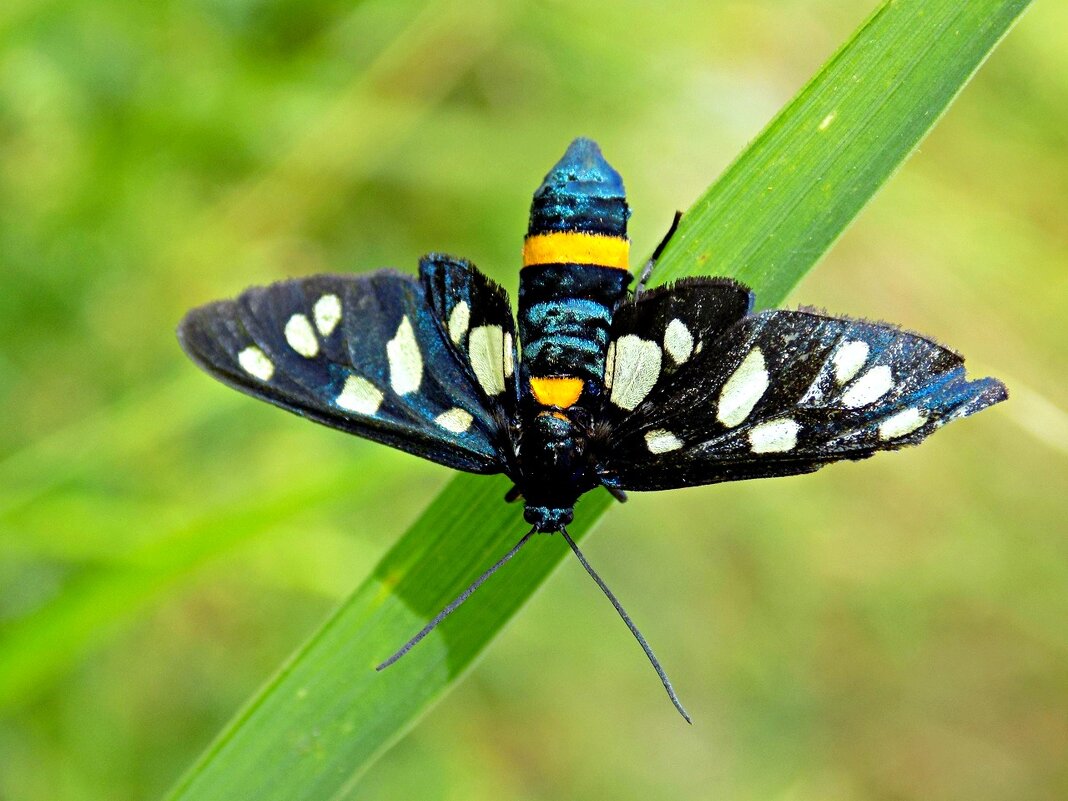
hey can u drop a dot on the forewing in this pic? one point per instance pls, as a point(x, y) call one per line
point(477, 318)
point(363, 354)
point(779, 393)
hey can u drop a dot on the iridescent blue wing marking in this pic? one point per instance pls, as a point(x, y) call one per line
point(773, 394)
point(477, 317)
point(364, 354)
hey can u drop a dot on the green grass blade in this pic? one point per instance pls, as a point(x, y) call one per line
point(327, 714)
point(795, 190)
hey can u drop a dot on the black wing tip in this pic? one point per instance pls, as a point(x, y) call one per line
point(189, 327)
point(196, 342)
point(975, 396)
point(986, 392)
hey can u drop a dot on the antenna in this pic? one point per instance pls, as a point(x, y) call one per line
point(647, 270)
point(630, 624)
point(444, 613)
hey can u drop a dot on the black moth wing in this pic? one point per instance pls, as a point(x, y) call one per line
point(655, 336)
point(476, 317)
point(777, 393)
point(361, 353)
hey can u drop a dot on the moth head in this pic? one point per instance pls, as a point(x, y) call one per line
point(548, 518)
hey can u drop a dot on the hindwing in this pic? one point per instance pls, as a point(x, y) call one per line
point(477, 318)
point(365, 354)
point(771, 394)
point(658, 334)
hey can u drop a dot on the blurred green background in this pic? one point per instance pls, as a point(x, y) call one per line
point(896, 629)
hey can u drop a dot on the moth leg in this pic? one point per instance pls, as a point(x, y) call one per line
point(647, 270)
point(513, 495)
point(611, 483)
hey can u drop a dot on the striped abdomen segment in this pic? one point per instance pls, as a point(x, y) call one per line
point(565, 312)
point(575, 260)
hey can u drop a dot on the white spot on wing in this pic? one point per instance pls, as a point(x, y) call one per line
point(902, 423)
point(459, 320)
point(848, 360)
point(637, 367)
point(509, 361)
point(359, 395)
point(456, 420)
point(609, 364)
point(743, 389)
point(255, 362)
point(301, 337)
point(678, 341)
point(485, 348)
point(660, 441)
point(774, 436)
point(869, 387)
point(405, 361)
point(327, 313)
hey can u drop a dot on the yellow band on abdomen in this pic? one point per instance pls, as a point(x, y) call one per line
point(558, 391)
point(570, 247)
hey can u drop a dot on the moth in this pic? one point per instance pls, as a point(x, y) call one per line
point(598, 386)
